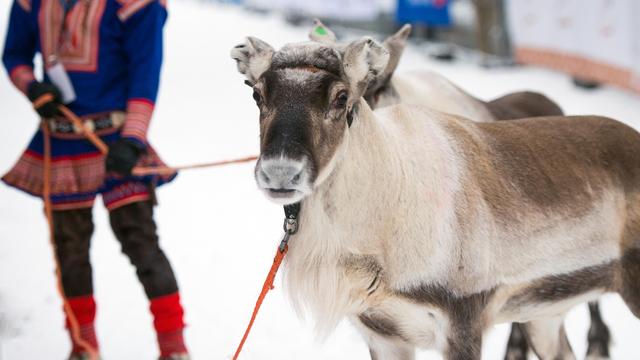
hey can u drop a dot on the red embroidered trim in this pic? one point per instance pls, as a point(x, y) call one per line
point(78, 46)
point(171, 342)
point(67, 176)
point(126, 201)
point(125, 194)
point(25, 5)
point(72, 205)
point(130, 7)
point(85, 156)
point(73, 175)
point(139, 113)
point(21, 76)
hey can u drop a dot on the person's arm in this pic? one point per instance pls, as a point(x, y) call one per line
point(143, 23)
point(20, 46)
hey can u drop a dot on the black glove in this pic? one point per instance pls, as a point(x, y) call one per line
point(48, 108)
point(123, 156)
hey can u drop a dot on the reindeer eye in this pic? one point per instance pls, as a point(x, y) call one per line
point(341, 100)
point(256, 97)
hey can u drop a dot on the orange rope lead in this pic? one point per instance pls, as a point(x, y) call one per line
point(46, 195)
point(166, 170)
point(91, 136)
point(268, 285)
point(143, 171)
point(41, 100)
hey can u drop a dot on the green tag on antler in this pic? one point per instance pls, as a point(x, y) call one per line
point(320, 30)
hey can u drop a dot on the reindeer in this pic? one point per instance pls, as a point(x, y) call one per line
point(425, 228)
point(430, 89)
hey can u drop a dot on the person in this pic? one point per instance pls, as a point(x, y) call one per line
point(101, 58)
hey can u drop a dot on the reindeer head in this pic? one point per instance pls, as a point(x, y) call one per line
point(307, 94)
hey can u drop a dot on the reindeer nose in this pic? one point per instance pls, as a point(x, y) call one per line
point(281, 174)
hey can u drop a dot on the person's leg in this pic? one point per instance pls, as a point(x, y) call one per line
point(72, 235)
point(135, 229)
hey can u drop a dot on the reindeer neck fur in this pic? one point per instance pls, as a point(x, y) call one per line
point(361, 221)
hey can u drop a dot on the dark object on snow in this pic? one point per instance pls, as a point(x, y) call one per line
point(585, 84)
point(445, 55)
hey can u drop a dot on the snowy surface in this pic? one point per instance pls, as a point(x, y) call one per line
point(218, 230)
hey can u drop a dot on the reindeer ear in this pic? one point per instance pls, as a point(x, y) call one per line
point(395, 45)
point(253, 58)
point(321, 33)
point(363, 61)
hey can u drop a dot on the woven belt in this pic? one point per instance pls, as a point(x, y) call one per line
point(103, 122)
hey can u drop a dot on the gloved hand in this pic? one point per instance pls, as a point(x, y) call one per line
point(47, 108)
point(123, 156)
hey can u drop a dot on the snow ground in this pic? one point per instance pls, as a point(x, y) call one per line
point(217, 229)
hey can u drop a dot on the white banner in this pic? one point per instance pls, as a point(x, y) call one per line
point(336, 9)
point(594, 39)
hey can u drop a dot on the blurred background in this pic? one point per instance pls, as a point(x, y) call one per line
point(220, 232)
point(593, 41)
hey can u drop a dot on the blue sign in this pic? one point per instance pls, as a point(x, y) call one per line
point(426, 12)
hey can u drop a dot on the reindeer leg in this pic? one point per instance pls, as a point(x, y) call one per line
point(517, 347)
point(599, 336)
point(387, 349)
point(384, 339)
point(630, 286)
point(465, 343)
point(548, 338)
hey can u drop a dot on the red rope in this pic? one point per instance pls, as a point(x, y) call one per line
point(268, 285)
point(46, 195)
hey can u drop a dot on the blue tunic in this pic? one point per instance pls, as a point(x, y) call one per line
point(116, 59)
point(112, 52)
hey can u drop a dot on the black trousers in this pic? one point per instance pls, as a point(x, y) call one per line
point(134, 228)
